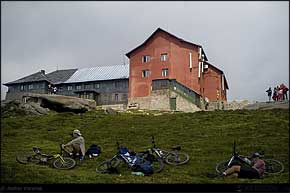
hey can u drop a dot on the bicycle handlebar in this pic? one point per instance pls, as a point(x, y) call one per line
point(153, 141)
point(118, 146)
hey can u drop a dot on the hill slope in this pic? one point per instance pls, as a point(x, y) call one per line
point(206, 136)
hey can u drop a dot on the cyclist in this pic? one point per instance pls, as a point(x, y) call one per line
point(76, 147)
point(256, 171)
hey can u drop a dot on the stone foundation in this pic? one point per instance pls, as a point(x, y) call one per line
point(160, 100)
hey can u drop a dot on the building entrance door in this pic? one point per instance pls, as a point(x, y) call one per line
point(173, 104)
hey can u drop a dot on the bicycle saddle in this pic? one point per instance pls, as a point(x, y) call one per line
point(176, 148)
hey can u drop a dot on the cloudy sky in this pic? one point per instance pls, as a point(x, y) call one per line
point(249, 41)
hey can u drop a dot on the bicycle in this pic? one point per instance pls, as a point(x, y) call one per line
point(130, 160)
point(59, 162)
point(272, 166)
point(173, 157)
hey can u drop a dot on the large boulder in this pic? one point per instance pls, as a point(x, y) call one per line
point(62, 103)
point(14, 108)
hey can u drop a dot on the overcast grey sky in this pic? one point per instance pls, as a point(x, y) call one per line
point(249, 41)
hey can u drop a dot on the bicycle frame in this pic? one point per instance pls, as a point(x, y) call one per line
point(37, 152)
point(159, 152)
point(128, 159)
point(236, 156)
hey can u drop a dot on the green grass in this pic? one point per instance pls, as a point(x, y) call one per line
point(206, 136)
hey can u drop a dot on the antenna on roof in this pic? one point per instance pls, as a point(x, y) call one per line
point(56, 67)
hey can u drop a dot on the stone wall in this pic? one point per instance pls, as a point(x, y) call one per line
point(160, 100)
point(184, 105)
point(224, 105)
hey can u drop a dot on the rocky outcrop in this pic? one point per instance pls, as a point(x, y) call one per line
point(61, 103)
point(14, 107)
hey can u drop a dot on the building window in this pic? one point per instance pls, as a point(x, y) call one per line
point(165, 72)
point(118, 84)
point(145, 59)
point(164, 57)
point(42, 85)
point(10, 88)
point(79, 87)
point(116, 97)
point(30, 87)
point(21, 87)
point(97, 85)
point(87, 86)
point(69, 87)
point(145, 73)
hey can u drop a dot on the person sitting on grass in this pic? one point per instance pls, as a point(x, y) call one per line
point(76, 147)
point(256, 171)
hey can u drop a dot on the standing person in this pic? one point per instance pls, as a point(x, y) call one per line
point(277, 93)
point(280, 94)
point(76, 147)
point(54, 90)
point(274, 94)
point(256, 171)
point(285, 90)
point(49, 89)
point(269, 91)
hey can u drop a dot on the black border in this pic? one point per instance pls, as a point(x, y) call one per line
point(145, 188)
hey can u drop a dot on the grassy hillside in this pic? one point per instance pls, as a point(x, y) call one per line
point(206, 136)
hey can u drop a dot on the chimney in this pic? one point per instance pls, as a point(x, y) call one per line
point(42, 71)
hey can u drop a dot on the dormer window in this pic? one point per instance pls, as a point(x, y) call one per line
point(145, 58)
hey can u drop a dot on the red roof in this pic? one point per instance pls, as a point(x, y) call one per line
point(173, 36)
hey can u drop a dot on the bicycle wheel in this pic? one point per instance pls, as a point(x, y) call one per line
point(222, 166)
point(273, 166)
point(177, 158)
point(105, 166)
point(25, 158)
point(157, 165)
point(156, 162)
point(68, 163)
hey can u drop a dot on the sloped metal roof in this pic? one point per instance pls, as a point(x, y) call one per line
point(54, 77)
point(100, 73)
point(60, 76)
point(36, 77)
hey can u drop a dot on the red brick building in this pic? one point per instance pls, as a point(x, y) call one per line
point(165, 56)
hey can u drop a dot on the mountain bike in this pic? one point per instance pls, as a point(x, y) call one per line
point(272, 166)
point(129, 158)
point(173, 157)
point(36, 157)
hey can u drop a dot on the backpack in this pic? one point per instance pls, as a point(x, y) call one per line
point(93, 151)
point(143, 166)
